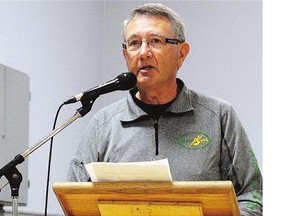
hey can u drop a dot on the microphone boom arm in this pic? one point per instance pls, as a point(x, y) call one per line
point(51, 134)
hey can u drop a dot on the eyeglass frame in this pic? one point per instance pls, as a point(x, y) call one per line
point(167, 40)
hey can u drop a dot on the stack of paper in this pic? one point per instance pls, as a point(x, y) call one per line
point(130, 171)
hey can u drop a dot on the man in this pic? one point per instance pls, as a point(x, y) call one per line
point(161, 118)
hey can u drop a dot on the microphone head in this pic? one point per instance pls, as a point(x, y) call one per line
point(126, 81)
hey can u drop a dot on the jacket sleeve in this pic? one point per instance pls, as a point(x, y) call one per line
point(239, 165)
point(86, 153)
point(77, 172)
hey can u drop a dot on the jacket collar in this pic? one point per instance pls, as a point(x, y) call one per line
point(180, 105)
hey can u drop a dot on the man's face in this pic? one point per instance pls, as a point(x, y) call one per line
point(153, 67)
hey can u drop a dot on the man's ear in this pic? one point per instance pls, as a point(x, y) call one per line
point(124, 52)
point(183, 52)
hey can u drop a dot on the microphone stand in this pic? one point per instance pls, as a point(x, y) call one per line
point(12, 173)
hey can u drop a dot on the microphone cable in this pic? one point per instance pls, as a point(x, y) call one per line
point(49, 160)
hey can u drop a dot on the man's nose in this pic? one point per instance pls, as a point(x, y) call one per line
point(145, 50)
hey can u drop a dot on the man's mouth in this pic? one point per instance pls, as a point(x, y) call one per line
point(145, 68)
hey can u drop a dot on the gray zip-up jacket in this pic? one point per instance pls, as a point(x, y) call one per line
point(201, 136)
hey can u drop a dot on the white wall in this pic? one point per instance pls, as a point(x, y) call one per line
point(69, 46)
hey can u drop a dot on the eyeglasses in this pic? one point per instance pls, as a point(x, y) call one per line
point(133, 43)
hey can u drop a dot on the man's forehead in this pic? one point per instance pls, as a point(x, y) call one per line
point(148, 25)
point(149, 34)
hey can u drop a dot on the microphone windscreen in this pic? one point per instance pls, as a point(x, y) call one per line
point(126, 81)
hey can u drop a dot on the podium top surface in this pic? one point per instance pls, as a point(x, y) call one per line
point(82, 198)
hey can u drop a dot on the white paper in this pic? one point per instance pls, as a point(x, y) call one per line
point(130, 171)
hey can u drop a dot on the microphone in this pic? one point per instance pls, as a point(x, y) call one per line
point(124, 81)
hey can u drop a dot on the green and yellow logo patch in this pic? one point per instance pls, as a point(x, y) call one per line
point(194, 140)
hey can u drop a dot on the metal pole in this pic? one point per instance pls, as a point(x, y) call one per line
point(15, 206)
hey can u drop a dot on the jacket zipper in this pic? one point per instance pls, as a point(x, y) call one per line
point(155, 124)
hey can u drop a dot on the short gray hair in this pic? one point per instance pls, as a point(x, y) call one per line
point(159, 10)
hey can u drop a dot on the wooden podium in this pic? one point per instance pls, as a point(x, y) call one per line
point(196, 198)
